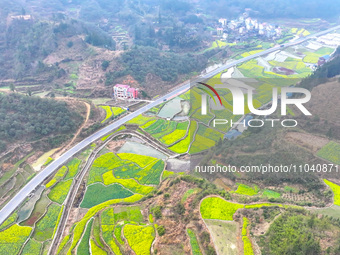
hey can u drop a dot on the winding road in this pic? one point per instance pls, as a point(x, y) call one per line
point(51, 168)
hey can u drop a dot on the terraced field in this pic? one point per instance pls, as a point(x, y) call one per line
point(127, 173)
point(330, 152)
point(40, 216)
point(243, 189)
point(111, 112)
point(217, 211)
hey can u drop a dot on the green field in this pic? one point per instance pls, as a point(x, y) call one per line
point(183, 145)
point(32, 247)
point(330, 152)
point(45, 227)
point(98, 193)
point(84, 245)
point(108, 229)
point(270, 194)
point(131, 213)
point(195, 248)
point(333, 211)
point(243, 189)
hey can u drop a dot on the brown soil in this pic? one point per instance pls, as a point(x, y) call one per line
point(223, 183)
point(325, 102)
point(308, 141)
point(283, 70)
point(114, 146)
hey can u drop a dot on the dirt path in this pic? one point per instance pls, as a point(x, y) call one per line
point(88, 110)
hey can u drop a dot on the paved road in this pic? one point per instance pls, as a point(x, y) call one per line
point(39, 178)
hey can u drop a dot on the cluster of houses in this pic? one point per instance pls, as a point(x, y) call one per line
point(330, 39)
point(246, 25)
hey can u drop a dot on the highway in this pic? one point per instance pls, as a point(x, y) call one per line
point(51, 168)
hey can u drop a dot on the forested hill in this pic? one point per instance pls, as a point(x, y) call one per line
point(25, 118)
point(323, 73)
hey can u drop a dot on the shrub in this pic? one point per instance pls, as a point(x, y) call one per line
point(161, 230)
point(157, 212)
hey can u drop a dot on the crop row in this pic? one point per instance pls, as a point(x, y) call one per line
point(80, 226)
point(130, 184)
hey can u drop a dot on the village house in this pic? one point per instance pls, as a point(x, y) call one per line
point(123, 92)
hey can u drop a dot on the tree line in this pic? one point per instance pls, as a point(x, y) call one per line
point(31, 118)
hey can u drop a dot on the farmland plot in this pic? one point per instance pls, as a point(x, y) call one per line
point(330, 152)
point(139, 238)
point(224, 236)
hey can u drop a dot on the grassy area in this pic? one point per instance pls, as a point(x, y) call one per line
point(333, 211)
point(224, 235)
point(140, 120)
point(73, 168)
point(8, 174)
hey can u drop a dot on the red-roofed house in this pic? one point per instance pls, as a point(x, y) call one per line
point(121, 91)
